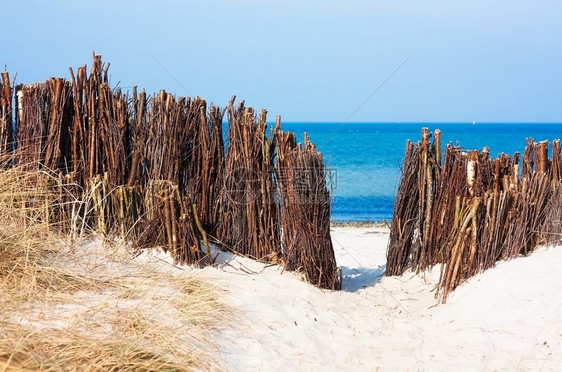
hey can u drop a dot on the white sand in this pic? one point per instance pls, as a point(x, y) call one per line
point(508, 318)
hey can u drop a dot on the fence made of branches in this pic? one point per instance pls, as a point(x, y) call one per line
point(156, 171)
point(466, 210)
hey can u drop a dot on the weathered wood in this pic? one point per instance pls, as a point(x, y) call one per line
point(6, 130)
point(155, 171)
point(482, 210)
point(307, 246)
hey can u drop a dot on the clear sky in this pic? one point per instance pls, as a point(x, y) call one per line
point(309, 60)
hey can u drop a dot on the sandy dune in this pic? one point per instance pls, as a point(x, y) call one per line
point(508, 318)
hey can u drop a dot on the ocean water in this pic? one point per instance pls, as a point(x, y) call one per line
point(365, 158)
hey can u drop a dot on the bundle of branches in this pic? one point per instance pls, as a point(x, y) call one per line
point(213, 169)
point(203, 162)
point(406, 206)
point(129, 198)
point(472, 211)
point(551, 229)
point(174, 224)
point(447, 188)
point(167, 136)
point(191, 166)
point(412, 232)
point(6, 140)
point(99, 144)
point(100, 127)
point(155, 170)
point(429, 175)
point(462, 246)
point(465, 219)
point(497, 226)
point(43, 116)
point(465, 178)
point(31, 122)
point(529, 212)
point(305, 212)
point(160, 142)
point(249, 221)
point(113, 135)
point(496, 211)
point(555, 170)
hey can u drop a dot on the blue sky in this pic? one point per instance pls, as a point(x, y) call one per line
point(475, 60)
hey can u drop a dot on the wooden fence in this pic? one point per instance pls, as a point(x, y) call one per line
point(466, 211)
point(156, 171)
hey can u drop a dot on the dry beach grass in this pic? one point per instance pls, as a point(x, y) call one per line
point(84, 305)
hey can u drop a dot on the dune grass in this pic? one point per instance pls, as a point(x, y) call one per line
point(82, 306)
point(56, 350)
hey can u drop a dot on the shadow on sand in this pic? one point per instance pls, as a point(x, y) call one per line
point(355, 278)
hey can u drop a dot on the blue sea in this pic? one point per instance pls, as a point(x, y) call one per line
point(365, 158)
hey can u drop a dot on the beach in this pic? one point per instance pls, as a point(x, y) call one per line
point(377, 187)
point(507, 318)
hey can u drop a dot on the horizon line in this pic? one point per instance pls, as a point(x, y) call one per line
point(421, 122)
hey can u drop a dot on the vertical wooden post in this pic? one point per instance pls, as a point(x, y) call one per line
point(471, 169)
point(6, 130)
point(542, 157)
point(437, 145)
point(556, 165)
